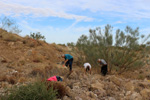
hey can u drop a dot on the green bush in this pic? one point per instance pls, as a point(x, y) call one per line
point(124, 52)
point(37, 36)
point(35, 91)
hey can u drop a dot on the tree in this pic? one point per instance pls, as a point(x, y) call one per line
point(10, 25)
point(122, 53)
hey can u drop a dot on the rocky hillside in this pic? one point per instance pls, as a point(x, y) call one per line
point(23, 59)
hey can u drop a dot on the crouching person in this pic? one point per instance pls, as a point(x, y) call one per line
point(68, 61)
point(55, 78)
point(103, 66)
point(87, 67)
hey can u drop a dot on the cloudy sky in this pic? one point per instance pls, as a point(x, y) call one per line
point(63, 21)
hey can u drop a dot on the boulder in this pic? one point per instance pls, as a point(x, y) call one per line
point(73, 75)
point(116, 80)
point(97, 86)
point(129, 86)
point(76, 85)
point(66, 98)
point(135, 96)
point(145, 94)
point(78, 98)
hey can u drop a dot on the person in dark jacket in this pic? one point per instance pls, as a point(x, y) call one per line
point(68, 61)
point(104, 66)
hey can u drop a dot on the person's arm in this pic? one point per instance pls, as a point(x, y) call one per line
point(65, 62)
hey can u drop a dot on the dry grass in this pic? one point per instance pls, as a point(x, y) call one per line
point(38, 59)
point(37, 71)
point(10, 37)
point(22, 80)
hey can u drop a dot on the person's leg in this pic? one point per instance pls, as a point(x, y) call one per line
point(70, 64)
point(87, 69)
point(102, 69)
point(105, 70)
point(66, 64)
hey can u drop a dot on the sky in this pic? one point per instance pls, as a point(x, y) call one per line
point(63, 21)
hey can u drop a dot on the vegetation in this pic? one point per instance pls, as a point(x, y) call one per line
point(122, 53)
point(9, 25)
point(37, 36)
point(35, 91)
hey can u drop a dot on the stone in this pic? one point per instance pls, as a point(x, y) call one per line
point(66, 98)
point(135, 96)
point(96, 86)
point(145, 94)
point(78, 98)
point(129, 86)
point(116, 80)
point(73, 75)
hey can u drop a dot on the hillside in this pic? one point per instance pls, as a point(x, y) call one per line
point(23, 59)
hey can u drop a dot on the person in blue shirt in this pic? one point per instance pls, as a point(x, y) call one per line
point(68, 61)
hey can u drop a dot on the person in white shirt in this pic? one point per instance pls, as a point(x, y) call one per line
point(104, 66)
point(87, 67)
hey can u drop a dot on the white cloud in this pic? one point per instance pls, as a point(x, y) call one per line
point(18, 10)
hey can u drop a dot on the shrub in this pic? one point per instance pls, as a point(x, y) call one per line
point(60, 88)
point(37, 36)
point(123, 53)
point(32, 91)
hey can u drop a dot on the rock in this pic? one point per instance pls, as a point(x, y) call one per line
point(145, 94)
point(111, 98)
point(73, 75)
point(135, 96)
point(116, 80)
point(70, 93)
point(11, 44)
point(3, 60)
point(129, 86)
point(97, 86)
point(144, 84)
point(128, 93)
point(66, 98)
point(78, 98)
point(76, 85)
point(92, 95)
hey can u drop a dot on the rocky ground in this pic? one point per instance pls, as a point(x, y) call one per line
point(110, 87)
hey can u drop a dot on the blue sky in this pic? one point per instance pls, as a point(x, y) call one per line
point(63, 21)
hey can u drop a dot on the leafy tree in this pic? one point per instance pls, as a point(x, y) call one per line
point(37, 36)
point(122, 53)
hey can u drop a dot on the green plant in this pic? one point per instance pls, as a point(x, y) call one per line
point(32, 91)
point(124, 52)
point(37, 36)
